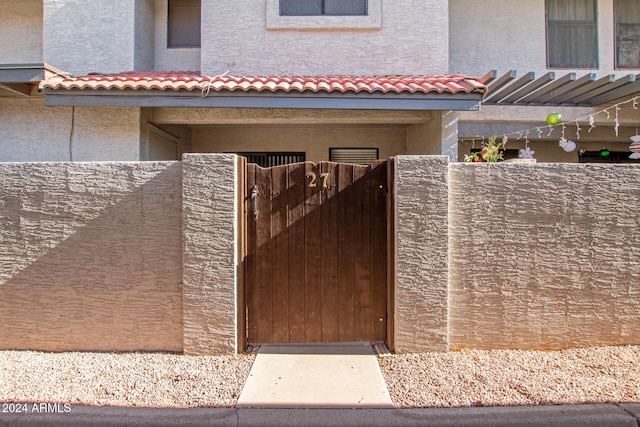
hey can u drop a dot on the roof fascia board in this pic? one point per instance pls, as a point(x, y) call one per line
point(27, 73)
point(361, 101)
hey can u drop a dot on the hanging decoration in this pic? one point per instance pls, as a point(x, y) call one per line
point(567, 145)
point(604, 153)
point(554, 119)
point(635, 147)
point(526, 153)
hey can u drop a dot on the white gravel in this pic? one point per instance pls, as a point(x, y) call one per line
point(125, 379)
point(465, 378)
point(508, 377)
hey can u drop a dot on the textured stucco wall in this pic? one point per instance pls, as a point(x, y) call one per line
point(314, 141)
point(172, 59)
point(32, 132)
point(494, 34)
point(413, 39)
point(144, 35)
point(20, 31)
point(83, 36)
point(544, 256)
point(210, 260)
point(421, 253)
point(90, 256)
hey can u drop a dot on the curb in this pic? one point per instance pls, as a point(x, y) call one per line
point(596, 415)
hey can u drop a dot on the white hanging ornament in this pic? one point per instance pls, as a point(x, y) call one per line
point(635, 147)
point(526, 153)
point(567, 145)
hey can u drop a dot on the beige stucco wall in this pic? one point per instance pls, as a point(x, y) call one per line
point(544, 256)
point(313, 140)
point(90, 256)
point(494, 34)
point(90, 35)
point(32, 132)
point(420, 293)
point(144, 36)
point(171, 59)
point(211, 261)
point(20, 31)
point(413, 38)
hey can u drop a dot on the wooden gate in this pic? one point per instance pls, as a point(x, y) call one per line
point(316, 254)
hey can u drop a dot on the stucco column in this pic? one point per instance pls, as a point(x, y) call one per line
point(421, 254)
point(210, 232)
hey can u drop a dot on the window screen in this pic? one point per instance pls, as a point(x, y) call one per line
point(323, 7)
point(183, 27)
point(359, 156)
point(627, 33)
point(572, 34)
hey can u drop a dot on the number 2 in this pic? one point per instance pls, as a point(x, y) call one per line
point(313, 177)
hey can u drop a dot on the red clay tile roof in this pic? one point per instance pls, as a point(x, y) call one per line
point(191, 81)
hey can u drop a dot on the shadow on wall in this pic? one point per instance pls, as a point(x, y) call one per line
point(91, 257)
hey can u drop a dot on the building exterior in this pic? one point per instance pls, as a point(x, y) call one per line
point(152, 79)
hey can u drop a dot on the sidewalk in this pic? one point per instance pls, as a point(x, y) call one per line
point(598, 415)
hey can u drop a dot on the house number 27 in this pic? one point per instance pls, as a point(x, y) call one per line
point(313, 177)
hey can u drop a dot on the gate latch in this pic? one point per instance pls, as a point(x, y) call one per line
point(254, 196)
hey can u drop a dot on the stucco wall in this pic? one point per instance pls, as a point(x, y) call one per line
point(144, 54)
point(210, 261)
point(421, 254)
point(171, 59)
point(20, 31)
point(83, 36)
point(313, 140)
point(32, 132)
point(413, 38)
point(544, 256)
point(513, 38)
point(90, 256)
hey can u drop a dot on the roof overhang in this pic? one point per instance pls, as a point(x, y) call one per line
point(362, 101)
point(23, 79)
point(554, 89)
point(157, 89)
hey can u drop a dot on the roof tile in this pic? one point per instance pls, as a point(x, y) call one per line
point(191, 81)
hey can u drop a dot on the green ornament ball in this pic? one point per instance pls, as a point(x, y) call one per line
point(604, 153)
point(554, 118)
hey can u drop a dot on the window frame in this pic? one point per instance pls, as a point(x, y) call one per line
point(616, 40)
point(596, 52)
point(371, 21)
point(171, 45)
point(323, 10)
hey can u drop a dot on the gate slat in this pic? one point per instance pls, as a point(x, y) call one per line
point(313, 253)
point(280, 207)
point(362, 244)
point(330, 255)
point(296, 185)
point(264, 247)
point(379, 251)
point(346, 256)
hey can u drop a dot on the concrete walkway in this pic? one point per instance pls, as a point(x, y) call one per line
point(315, 376)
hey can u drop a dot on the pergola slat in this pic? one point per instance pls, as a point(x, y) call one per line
point(536, 84)
point(573, 94)
point(576, 84)
point(626, 90)
point(502, 81)
point(589, 96)
point(522, 81)
point(534, 97)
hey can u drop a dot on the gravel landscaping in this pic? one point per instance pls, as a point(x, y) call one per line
point(464, 378)
point(508, 377)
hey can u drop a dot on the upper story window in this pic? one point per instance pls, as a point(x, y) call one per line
point(183, 27)
point(572, 40)
point(323, 7)
point(627, 33)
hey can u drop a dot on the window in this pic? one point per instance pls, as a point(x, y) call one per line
point(572, 34)
point(358, 156)
point(627, 33)
point(183, 24)
point(269, 159)
point(323, 7)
